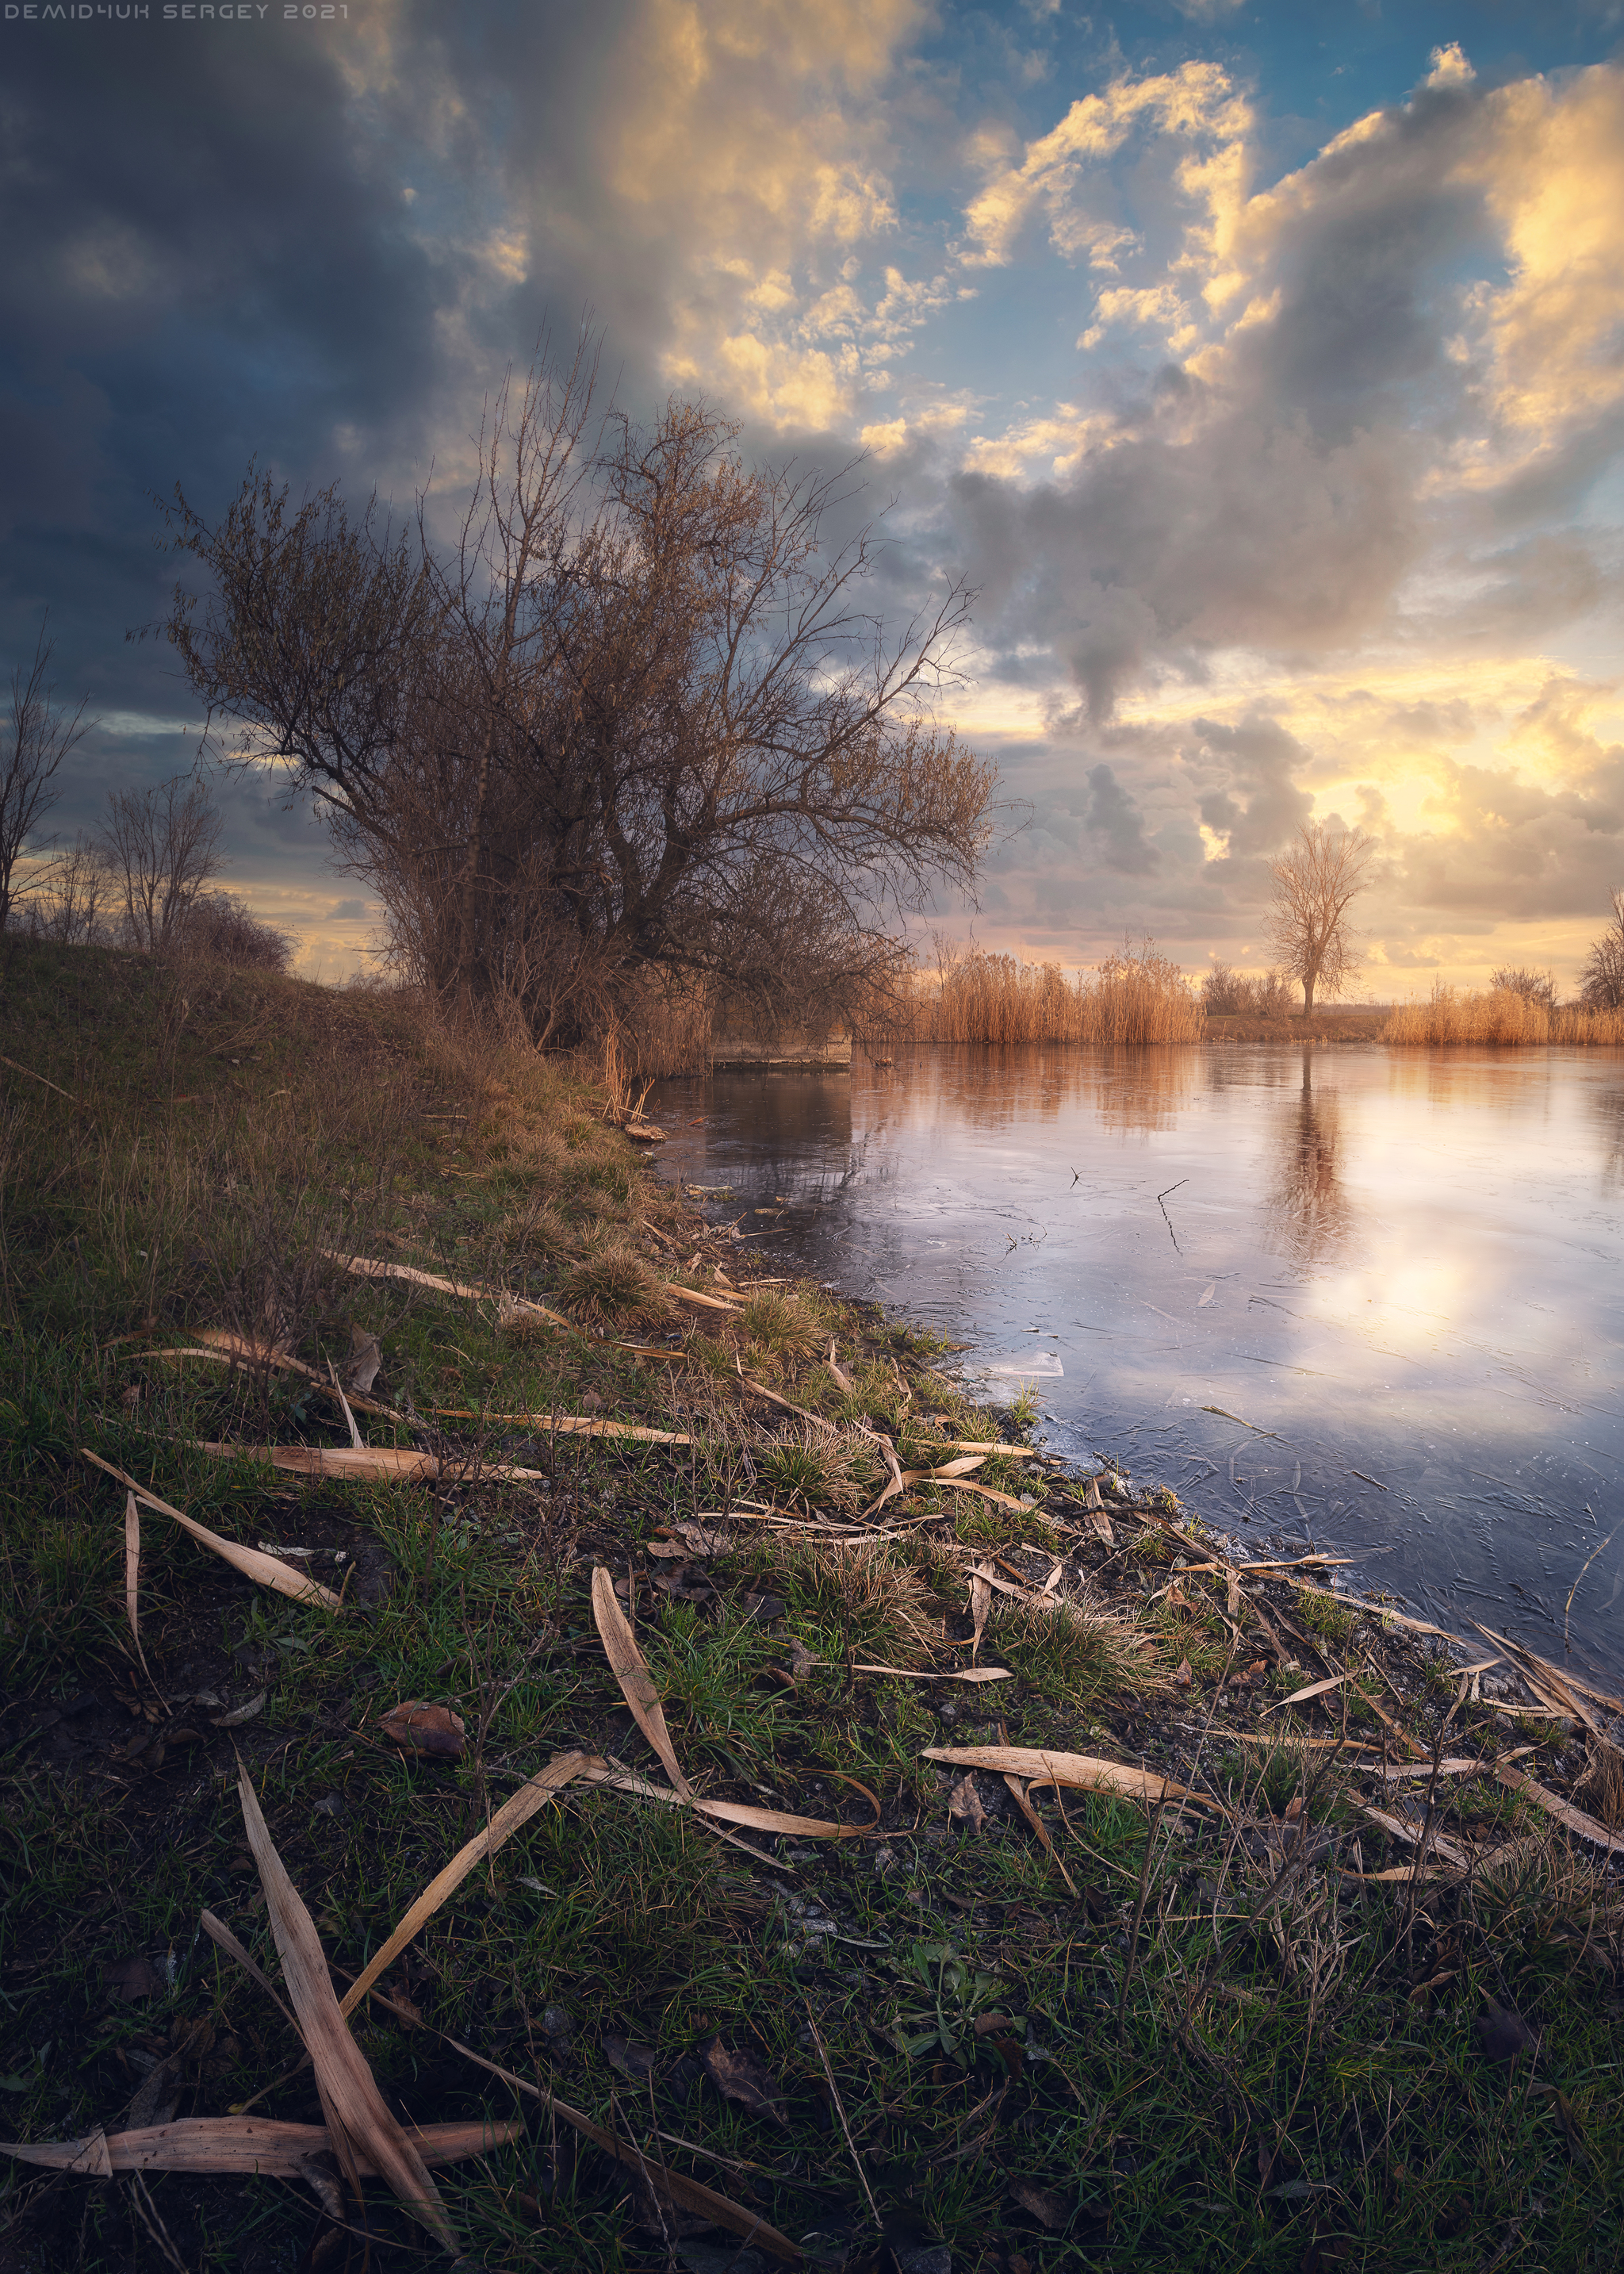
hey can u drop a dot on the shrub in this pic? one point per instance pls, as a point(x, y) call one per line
point(219, 925)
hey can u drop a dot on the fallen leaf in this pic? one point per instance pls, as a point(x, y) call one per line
point(1313, 1690)
point(634, 2061)
point(264, 1569)
point(626, 1664)
point(730, 1811)
point(701, 1541)
point(1048, 2207)
point(364, 2130)
point(1183, 1676)
point(132, 1978)
point(247, 2143)
point(1081, 1770)
point(964, 1802)
point(515, 1811)
point(685, 1587)
point(745, 2078)
point(1587, 1826)
point(951, 1484)
point(399, 1463)
point(1018, 1793)
point(132, 1572)
point(365, 1360)
point(419, 1728)
point(1503, 2034)
point(561, 1424)
point(245, 1712)
point(981, 1603)
point(933, 1674)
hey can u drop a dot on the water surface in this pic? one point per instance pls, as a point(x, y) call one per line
point(1401, 1266)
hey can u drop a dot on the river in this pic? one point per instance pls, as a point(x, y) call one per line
point(1396, 1274)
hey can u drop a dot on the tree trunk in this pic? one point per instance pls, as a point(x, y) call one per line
point(1308, 994)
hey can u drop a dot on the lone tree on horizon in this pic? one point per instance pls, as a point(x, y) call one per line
point(1316, 881)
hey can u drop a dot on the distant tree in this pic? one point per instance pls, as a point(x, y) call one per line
point(161, 846)
point(1316, 881)
point(634, 722)
point(71, 902)
point(1536, 987)
point(1602, 979)
point(36, 734)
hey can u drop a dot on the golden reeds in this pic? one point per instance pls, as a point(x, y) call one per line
point(1137, 995)
point(1499, 1018)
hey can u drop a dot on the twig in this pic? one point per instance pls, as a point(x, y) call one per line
point(1166, 1218)
point(1573, 1590)
point(38, 1077)
point(862, 2176)
point(1138, 1913)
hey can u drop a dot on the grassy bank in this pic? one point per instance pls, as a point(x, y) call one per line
point(949, 2021)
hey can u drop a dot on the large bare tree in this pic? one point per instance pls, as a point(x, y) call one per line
point(36, 734)
point(635, 719)
point(1316, 881)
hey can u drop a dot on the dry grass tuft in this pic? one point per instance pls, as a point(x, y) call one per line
point(869, 1595)
point(610, 1284)
point(814, 1468)
point(1601, 1786)
point(779, 1324)
point(1075, 1648)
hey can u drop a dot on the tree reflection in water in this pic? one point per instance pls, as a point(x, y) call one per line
point(1309, 1210)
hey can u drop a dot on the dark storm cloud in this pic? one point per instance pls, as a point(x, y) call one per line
point(213, 255)
point(205, 264)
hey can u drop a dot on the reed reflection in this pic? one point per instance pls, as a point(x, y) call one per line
point(1310, 1213)
point(992, 1087)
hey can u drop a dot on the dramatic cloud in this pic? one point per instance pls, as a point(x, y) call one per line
point(1284, 457)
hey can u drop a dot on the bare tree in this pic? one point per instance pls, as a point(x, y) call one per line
point(163, 846)
point(1316, 881)
point(36, 735)
point(1601, 982)
point(1536, 987)
point(636, 720)
point(72, 897)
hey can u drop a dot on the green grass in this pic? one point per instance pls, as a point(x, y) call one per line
point(1280, 2070)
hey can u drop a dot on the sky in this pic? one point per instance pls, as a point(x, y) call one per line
point(1262, 369)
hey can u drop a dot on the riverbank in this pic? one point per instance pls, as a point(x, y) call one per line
point(1197, 2000)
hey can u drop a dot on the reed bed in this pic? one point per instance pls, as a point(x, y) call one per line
point(1137, 995)
point(1500, 1018)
